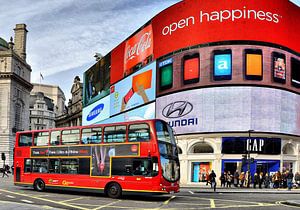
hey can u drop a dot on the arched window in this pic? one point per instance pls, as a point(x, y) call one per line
point(288, 149)
point(179, 150)
point(202, 148)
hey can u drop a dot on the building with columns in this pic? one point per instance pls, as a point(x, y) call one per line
point(15, 89)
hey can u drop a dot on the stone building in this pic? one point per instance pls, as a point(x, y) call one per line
point(42, 112)
point(73, 115)
point(15, 90)
point(53, 92)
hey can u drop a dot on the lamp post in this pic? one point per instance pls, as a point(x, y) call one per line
point(249, 158)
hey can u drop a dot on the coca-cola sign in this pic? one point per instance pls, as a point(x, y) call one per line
point(138, 48)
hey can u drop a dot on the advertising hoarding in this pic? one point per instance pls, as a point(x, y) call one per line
point(134, 90)
point(231, 109)
point(278, 67)
point(97, 81)
point(96, 112)
point(138, 49)
point(222, 64)
point(145, 112)
point(295, 66)
point(189, 23)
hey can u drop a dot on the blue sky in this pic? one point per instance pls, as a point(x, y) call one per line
point(65, 34)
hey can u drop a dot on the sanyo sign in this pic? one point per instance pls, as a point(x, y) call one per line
point(222, 16)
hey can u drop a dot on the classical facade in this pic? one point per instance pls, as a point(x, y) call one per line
point(42, 112)
point(15, 90)
point(53, 92)
point(73, 115)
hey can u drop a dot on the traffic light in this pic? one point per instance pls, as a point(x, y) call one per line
point(3, 157)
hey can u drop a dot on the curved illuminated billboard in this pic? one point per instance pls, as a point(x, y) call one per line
point(190, 23)
point(231, 109)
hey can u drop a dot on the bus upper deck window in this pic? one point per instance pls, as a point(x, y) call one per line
point(25, 140)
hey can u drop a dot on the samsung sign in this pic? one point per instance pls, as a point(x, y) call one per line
point(96, 112)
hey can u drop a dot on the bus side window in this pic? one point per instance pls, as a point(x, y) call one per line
point(25, 140)
point(115, 134)
point(55, 138)
point(41, 138)
point(91, 135)
point(40, 165)
point(70, 136)
point(138, 132)
point(27, 166)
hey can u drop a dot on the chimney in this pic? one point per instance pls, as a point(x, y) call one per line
point(20, 40)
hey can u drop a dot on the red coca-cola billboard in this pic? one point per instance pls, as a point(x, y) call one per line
point(194, 22)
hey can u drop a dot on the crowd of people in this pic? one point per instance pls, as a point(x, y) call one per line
point(5, 171)
point(275, 180)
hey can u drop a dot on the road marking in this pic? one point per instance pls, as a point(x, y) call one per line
point(73, 199)
point(44, 199)
point(212, 203)
point(167, 201)
point(9, 196)
point(109, 204)
point(290, 206)
point(27, 201)
point(191, 192)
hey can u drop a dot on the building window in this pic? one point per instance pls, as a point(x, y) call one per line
point(18, 116)
point(202, 148)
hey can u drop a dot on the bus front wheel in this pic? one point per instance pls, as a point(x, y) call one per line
point(114, 190)
point(39, 185)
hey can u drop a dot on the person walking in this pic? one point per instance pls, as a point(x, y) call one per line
point(255, 180)
point(267, 180)
point(297, 179)
point(223, 179)
point(289, 179)
point(236, 178)
point(212, 177)
point(229, 179)
point(260, 179)
point(4, 171)
point(242, 179)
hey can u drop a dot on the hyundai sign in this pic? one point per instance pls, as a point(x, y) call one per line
point(96, 112)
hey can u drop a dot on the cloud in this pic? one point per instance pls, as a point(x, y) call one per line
point(66, 34)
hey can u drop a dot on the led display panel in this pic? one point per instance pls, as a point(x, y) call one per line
point(134, 90)
point(253, 64)
point(295, 69)
point(96, 79)
point(278, 67)
point(191, 70)
point(222, 65)
point(166, 74)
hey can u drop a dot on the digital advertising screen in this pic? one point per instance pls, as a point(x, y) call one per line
point(253, 64)
point(135, 90)
point(96, 81)
point(238, 108)
point(145, 112)
point(222, 65)
point(138, 49)
point(191, 68)
point(96, 112)
point(295, 69)
point(278, 67)
point(165, 69)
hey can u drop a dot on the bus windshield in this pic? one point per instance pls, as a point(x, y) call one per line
point(168, 151)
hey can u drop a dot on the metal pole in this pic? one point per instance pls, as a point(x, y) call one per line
point(249, 159)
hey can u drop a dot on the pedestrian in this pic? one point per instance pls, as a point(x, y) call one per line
point(267, 180)
point(223, 179)
point(289, 178)
point(255, 180)
point(247, 179)
point(229, 179)
point(260, 179)
point(12, 169)
point(242, 179)
point(284, 179)
point(4, 172)
point(236, 178)
point(212, 177)
point(297, 179)
point(207, 178)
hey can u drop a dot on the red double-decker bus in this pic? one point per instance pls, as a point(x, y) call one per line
point(139, 156)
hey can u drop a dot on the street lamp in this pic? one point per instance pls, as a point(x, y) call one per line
point(249, 158)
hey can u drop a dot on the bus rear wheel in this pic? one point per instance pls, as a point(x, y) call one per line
point(114, 190)
point(39, 185)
